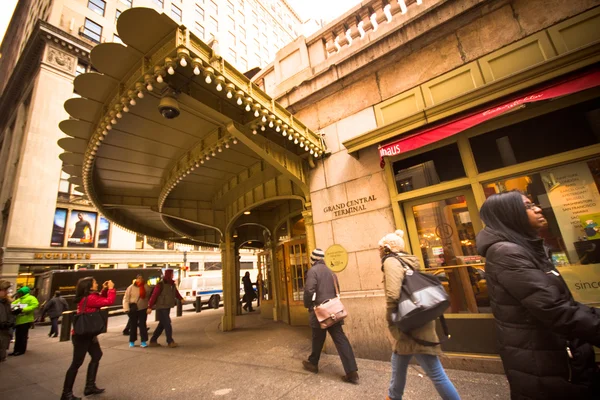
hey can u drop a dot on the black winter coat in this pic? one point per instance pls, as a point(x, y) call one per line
point(545, 336)
point(319, 280)
point(55, 307)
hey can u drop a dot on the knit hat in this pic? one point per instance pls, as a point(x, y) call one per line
point(168, 276)
point(393, 241)
point(4, 284)
point(24, 290)
point(316, 255)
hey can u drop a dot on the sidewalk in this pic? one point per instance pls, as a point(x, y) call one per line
point(259, 360)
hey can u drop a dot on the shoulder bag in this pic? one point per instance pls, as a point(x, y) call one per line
point(331, 311)
point(422, 299)
point(90, 324)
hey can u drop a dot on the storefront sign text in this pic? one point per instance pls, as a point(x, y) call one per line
point(62, 256)
point(349, 207)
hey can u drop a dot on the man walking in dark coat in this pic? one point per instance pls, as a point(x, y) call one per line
point(321, 286)
point(54, 308)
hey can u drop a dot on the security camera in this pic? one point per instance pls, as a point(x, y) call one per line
point(168, 107)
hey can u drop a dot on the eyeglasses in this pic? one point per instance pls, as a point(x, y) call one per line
point(530, 206)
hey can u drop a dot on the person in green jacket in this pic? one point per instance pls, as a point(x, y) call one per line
point(23, 308)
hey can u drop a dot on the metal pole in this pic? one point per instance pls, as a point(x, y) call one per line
point(198, 304)
point(179, 308)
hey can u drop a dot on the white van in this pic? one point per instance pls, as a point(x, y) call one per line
point(208, 288)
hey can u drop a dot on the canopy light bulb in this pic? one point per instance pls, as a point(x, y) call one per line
point(277, 129)
point(207, 157)
point(256, 114)
point(254, 131)
point(226, 145)
point(229, 95)
point(264, 119)
point(141, 94)
point(270, 124)
point(234, 141)
point(262, 128)
point(159, 79)
point(105, 132)
point(213, 153)
point(239, 101)
point(171, 70)
point(311, 151)
point(113, 121)
point(290, 137)
point(125, 108)
point(220, 150)
point(119, 115)
point(196, 70)
point(248, 107)
point(201, 161)
point(149, 87)
point(208, 79)
point(296, 141)
point(219, 87)
point(306, 148)
point(182, 62)
point(108, 127)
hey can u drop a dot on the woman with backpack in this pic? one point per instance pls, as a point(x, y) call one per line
point(88, 301)
point(396, 263)
point(545, 336)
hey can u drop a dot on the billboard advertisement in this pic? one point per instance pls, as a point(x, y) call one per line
point(81, 229)
point(58, 229)
point(103, 232)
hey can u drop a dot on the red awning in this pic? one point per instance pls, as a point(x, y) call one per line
point(434, 134)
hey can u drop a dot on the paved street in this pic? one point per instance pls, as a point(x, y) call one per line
point(260, 360)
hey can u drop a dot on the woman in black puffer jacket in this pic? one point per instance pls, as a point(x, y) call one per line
point(545, 336)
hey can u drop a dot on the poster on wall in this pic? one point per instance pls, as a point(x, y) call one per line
point(103, 232)
point(58, 229)
point(575, 200)
point(81, 229)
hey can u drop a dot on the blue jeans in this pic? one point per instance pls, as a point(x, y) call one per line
point(432, 367)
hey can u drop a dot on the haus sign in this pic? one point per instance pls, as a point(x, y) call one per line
point(349, 207)
point(61, 256)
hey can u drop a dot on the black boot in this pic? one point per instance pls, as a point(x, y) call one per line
point(90, 380)
point(69, 396)
point(67, 393)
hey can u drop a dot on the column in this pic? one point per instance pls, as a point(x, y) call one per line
point(310, 228)
point(230, 285)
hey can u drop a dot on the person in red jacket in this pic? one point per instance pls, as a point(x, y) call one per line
point(87, 293)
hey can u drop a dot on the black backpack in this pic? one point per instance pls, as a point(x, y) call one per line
point(422, 299)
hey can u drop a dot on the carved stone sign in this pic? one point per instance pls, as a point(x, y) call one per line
point(349, 207)
point(62, 256)
point(60, 59)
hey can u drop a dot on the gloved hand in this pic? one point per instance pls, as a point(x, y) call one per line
point(17, 311)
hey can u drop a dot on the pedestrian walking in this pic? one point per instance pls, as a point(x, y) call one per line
point(54, 309)
point(404, 347)
point(248, 292)
point(321, 283)
point(164, 297)
point(135, 304)
point(7, 319)
point(86, 293)
point(23, 308)
point(545, 336)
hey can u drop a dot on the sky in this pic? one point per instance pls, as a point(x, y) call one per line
point(327, 10)
point(7, 10)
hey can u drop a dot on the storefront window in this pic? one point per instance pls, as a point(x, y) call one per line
point(569, 196)
point(430, 168)
point(568, 129)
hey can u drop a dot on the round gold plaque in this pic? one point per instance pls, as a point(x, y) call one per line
point(336, 258)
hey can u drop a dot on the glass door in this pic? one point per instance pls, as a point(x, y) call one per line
point(442, 231)
point(283, 268)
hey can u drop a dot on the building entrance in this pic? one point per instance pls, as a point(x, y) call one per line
point(292, 262)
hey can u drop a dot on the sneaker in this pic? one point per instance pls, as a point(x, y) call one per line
point(172, 344)
point(144, 344)
point(307, 365)
point(153, 344)
point(131, 344)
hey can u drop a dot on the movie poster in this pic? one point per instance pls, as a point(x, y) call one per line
point(58, 229)
point(81, 229)
point(103, 232)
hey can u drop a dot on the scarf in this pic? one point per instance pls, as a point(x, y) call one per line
point(142, 287)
